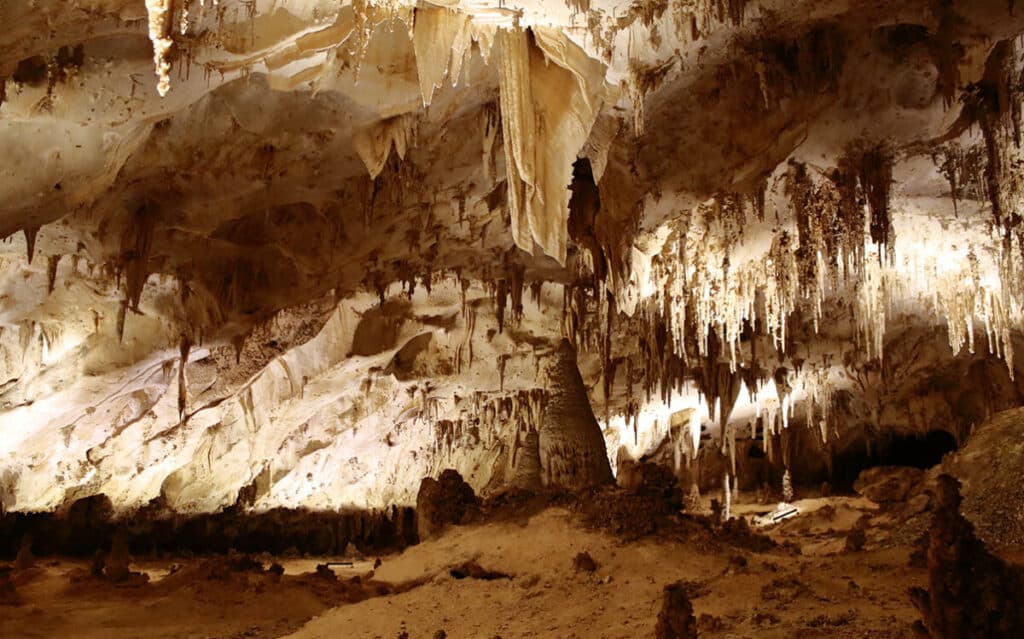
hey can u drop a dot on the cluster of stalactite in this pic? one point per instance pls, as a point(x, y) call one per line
point(772, 69)
point(487, 417)
point(994, 105)
point(964, 169)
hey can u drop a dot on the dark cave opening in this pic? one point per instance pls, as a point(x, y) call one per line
point(897, 450)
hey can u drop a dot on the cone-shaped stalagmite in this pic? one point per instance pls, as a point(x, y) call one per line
point(572, 450)
point(526, 469)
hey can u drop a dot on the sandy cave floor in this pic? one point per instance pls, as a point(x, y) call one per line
point(822, 592)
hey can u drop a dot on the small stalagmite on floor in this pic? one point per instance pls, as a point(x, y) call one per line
point(676, 620)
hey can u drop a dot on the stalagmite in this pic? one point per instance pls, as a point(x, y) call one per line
point(526, 472)
point(787, 487)
point(727, 498)
point(572, 450)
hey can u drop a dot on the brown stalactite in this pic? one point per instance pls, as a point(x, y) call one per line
point(876, 180)
point(30, 241)
point(136, 244)
point(52, 262)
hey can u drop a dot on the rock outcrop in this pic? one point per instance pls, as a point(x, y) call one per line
point(441, 502)
point(889, 485)
point(990, 466)
point(971, 592)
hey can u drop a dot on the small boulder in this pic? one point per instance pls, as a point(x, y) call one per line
point(473, 570)
point(855, 540)
point(889, 484)
point(583, 562)
point(323, 571)
point(858, 535)
point(442, 502)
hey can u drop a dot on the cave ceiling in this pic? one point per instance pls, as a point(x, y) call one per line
point(325, 248)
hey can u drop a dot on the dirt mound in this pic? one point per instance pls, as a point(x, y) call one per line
point(631, 515)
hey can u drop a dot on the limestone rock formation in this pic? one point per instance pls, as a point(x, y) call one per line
point(442, 502)
point(25, 560)
point(989, 467)
point(271, 256)
point(116, 566)
point(526, 471)
point(572, 450)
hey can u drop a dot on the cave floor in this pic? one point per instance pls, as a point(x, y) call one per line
point(824, 591)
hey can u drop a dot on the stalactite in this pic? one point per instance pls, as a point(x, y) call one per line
point(30, 241)
point(52, 262)
point(876, 180)
point(994, 103)
point(440, 40)
point(489, 127)
point(136, 243)
point(159, 12)
point(183, 20)
point(122, 312)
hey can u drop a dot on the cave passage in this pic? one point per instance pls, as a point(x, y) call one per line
point(898, 450)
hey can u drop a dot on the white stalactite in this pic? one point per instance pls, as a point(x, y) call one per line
point(159, 12)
